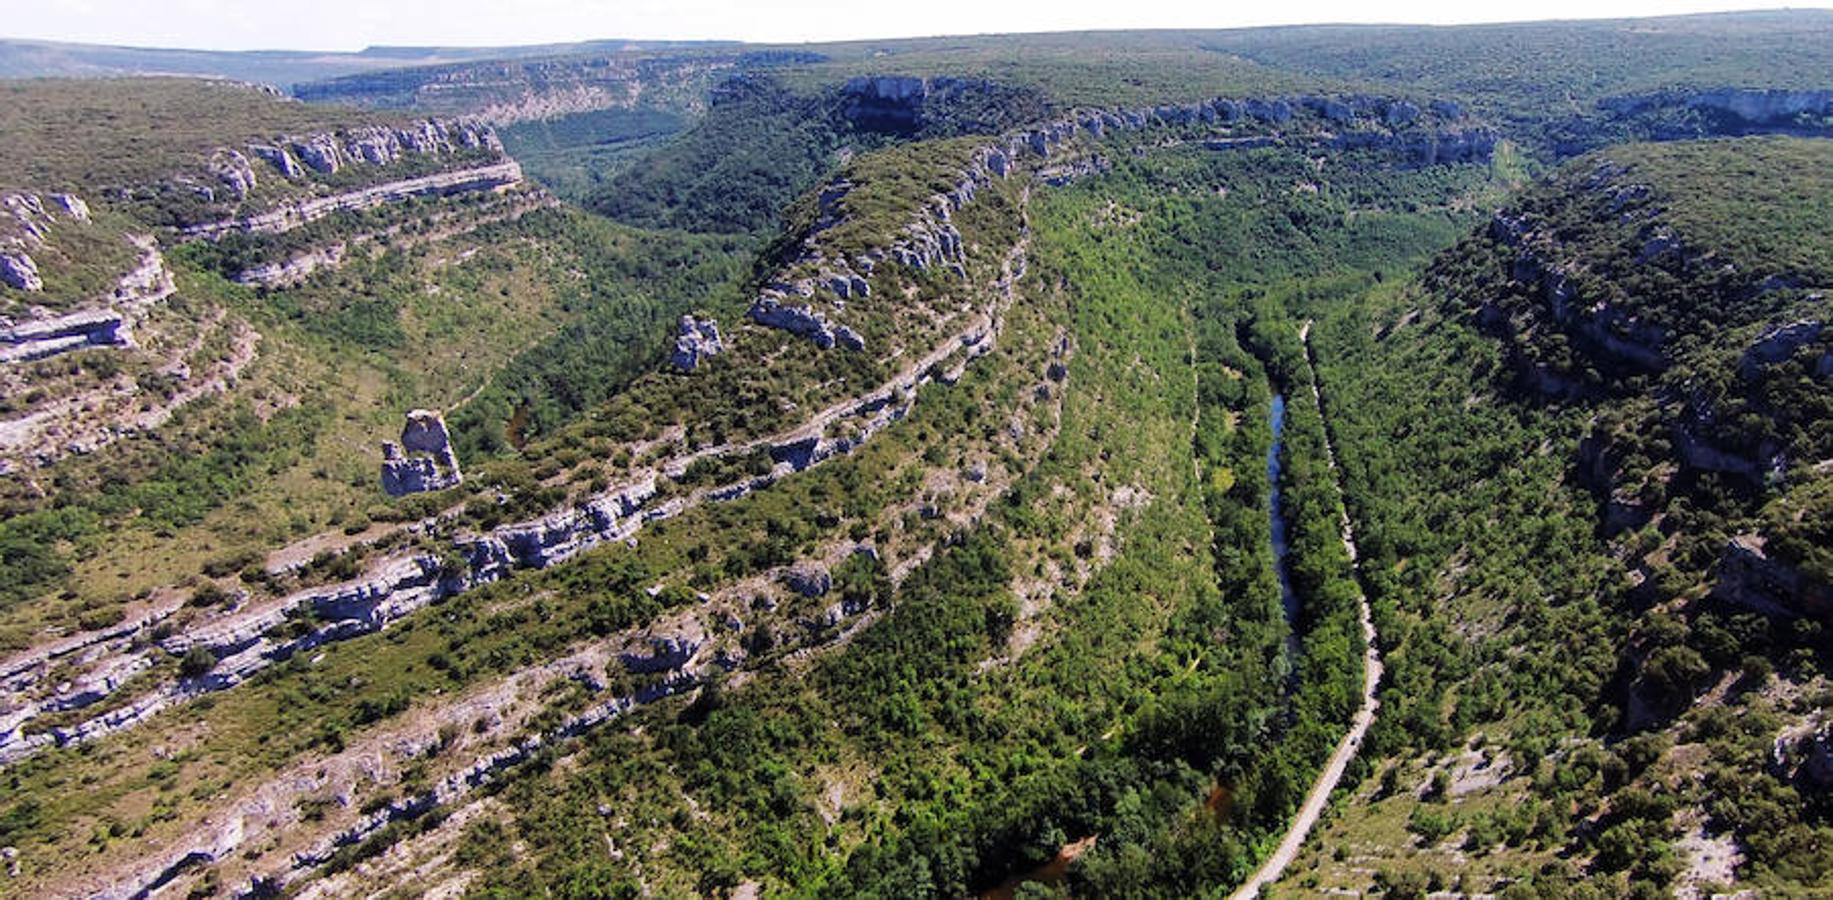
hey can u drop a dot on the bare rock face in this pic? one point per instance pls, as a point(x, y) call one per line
point(770, 312)
point(234, 171)
point(41, 338)
point(424, 460)
point(18, 271)
point(1818, 767)
point(663, 653)
point(698, 339)
point(1779, 343)
point(809, 581)
point(280, 158)
point(320, 152)
point(374, 145)
point(1749, 576)
point(72, 206)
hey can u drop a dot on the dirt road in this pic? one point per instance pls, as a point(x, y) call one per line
point(1275, 865)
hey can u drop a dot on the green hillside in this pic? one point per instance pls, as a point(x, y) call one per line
point(1333, 460)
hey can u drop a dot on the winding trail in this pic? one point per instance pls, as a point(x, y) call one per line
point(1315, 801)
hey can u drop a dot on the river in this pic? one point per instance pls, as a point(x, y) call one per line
point(1282, 567)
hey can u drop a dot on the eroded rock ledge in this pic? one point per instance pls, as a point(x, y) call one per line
point(108, 321)
point(815, 278)
point(26, 227)
point(291, 214)
point(296, 158)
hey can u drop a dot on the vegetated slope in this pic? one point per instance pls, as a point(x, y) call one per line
point(1554, 78)
point(781, 494)
point(281, 68)
point(1586, 457)
point(219, 331)
point(761, 551)
point(1554, 88)
point(761, 144)
point(575, 155)
point(508, 90)
point(904, 582)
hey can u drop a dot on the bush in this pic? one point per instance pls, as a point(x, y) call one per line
point(196, 661)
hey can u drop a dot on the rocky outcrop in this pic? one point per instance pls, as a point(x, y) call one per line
point(280, 158)
point(424, 460)
point(695, 340)
point(234, 171)
point(29, 218)
point(319, 152)
point(72, 206)
point(662, 653)
point(1755, 105)
point(1749, 576)
point(1805, 754)
point(25, 228)
point(41, 338)
point(420, 229)
point(802, 321)
point(295, 269)
point(1599, 467)
point(107, 323)
point(1779, 343)
point(249, 640)
point(17, 270)
point(291, 214)
point(326, 152)
point(507, 91)
point(809, 581)
point(901, 104)
point(1620, 339)
point(930, 242)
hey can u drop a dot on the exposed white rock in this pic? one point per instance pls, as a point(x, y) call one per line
point(696, 340)
point(17, 270)
point(809, 580)
point(294, 269)
point(769, 311)
point(72, 205)
point(319, 152)
point(280, 158)
point(424, 460)
point(292, 214)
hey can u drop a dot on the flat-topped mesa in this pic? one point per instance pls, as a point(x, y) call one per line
point(424, 460)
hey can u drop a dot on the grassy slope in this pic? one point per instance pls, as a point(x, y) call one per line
point(536, 311)
point(90, 134)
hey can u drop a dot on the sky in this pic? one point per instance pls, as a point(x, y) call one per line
point(354, 24)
